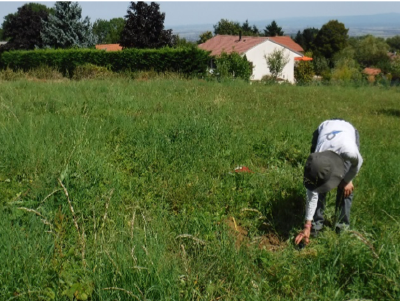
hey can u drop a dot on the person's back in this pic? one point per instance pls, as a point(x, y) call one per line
point(336, 135)
point(341, 137)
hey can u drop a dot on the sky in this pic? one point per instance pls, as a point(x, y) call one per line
point(210, 12)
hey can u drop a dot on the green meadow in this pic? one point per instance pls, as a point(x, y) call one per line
point(123, 189)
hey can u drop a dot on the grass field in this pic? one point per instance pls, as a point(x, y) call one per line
point(125, 190)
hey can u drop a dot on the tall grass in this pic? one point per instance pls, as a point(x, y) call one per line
point(120, 189)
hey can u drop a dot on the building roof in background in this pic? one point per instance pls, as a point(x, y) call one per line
point(372, 71)
point(109, 47)
point(287, 42)
point(228, 43)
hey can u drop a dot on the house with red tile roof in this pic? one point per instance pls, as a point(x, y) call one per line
point(255, 49)
point(371, 73)
point(109, 47)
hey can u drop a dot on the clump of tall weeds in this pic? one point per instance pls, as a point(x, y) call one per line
point(10, 75)
point(90, 71)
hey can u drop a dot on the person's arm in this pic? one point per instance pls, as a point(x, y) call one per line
point(346, 187)
point(312, 199)
point(311, 206)
point(305, 234)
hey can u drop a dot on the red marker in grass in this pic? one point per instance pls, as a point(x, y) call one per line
point(243, 169)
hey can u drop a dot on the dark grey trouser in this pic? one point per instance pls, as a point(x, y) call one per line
point(343, 205)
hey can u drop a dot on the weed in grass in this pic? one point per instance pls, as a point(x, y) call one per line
point(10, 75)
point(90, 71)
point(44, 73)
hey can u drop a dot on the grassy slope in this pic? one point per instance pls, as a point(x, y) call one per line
point(146, 162)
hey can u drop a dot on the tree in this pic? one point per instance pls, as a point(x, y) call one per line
point(394, 43)
point(255, 30)
point(321, 65)
point(6, 23)
point(116, 27)
point(227, 27)
point(144, 27)
point(276, 61)
point(299, 39)
point(273, 30)
point(232, 28)
point(371, 51)
point(1, 34)
point(331, 38)
point(248, 30)
point(178, 42)
point(108, 32)
point(204, 37)
point(346, 54)
point(66, 29)
point(353, 41)
point(395, 68)
point(22, 29)
point(246, 26)
point(346, 69)
point(100, 30)
point(306, 38)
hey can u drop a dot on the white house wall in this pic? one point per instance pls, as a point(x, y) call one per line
point(257, 54)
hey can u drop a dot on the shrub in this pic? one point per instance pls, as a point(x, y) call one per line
point(321, 65)
point(303, 72)
point(346, 70)
point(276, 61)
point(90, 71)
point(9, 75)
point(395, 68)
point(45, 72)
point(151, 74)
point(346, 73)
point(233, 65)
point(268, 79)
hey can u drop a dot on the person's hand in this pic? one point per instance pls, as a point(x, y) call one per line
point(347, 188)
point(303, 235)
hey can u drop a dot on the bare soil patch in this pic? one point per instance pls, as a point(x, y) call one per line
point(270, 241)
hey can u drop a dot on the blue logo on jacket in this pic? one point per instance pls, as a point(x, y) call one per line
point(332, 135)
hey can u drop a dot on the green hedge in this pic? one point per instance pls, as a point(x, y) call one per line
point(189, 61)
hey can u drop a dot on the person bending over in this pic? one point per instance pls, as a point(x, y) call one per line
point(334, 161)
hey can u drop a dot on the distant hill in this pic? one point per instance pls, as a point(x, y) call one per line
point(382, 25)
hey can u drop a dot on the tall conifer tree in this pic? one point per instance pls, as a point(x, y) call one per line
point(66, 28)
